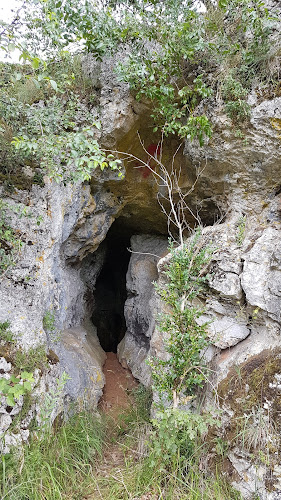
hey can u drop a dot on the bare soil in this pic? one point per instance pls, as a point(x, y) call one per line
point(118, 384)
point(116, 398)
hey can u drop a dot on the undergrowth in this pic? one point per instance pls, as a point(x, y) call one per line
point(58, 466)
point(69, 463)
point(146, 474)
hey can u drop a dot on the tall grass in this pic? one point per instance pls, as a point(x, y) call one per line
point(137, 480)
point(186, 478)
point(94, 457)
point(56, 467)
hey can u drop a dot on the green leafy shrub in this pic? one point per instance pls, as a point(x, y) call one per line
point(16, 386)
point(184, 370)
point(50, 128)
point(176, 435)
point(70, 157)
point(10, 242)
point(235, 94)
point(173, 106)
point(5, 333)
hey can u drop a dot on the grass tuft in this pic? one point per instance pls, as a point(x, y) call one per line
point(57, 466)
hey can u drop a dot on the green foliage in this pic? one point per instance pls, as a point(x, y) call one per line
point(10, 243)
point(184, 371)
point(176, 435)
point(78, 152)
point(51, 401)
point(24, 409)
point(241, 226)
point(173, 107)
point(235, 94)
point(230, 40)
point(177, 56)
point(49, 124)
point(30, 360)
point(16, 386)
point(49, 321)
point(142, 403)
point(57, 134)
point(58, 465)
point(49, 325)
point(5, 333)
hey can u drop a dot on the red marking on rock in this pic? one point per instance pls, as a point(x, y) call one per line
point(153, 150)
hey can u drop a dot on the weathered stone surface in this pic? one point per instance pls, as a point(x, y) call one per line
point(252, 478)
point(14, 441)
point(140, 307)
point(240, 175)
point(5, 422)
point(4, 366)
point(261, 278)
point(133, 356)
point(224, 331)
point(82, 358)
point(119, 111)
point(41, 281)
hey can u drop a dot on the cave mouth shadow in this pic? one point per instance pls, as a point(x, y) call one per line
point(110, 290)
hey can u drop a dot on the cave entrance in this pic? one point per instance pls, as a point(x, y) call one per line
point(110, 290)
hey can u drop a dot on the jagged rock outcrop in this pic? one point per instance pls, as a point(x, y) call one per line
point(236, 195)
point(141, 305)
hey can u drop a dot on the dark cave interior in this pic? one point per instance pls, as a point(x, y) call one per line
point(110, 289)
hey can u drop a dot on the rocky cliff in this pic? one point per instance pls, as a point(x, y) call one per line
point(70, 233)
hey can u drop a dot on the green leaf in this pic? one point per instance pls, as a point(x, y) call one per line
point(36, 83)
point(27, 386)
point(11, 47)
point(3, 384)
point(35, 62)
point(54, 85)
point(10, 400)
point(27, 376)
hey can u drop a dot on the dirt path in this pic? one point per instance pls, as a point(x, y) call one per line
point(115, 399)
point(118, 381)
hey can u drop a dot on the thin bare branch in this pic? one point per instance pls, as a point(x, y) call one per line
point(167, 179)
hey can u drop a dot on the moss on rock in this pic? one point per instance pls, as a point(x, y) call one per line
point(253, 383)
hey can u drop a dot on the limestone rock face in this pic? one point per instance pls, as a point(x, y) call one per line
point(241, 174)
point(261, 278)
point(41, 281)
point(141, 305)
point(119, 111)
point(232, 184)
point(82, 358)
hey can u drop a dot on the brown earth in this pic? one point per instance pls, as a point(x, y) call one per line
point(116, 398)
point(118, 383)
